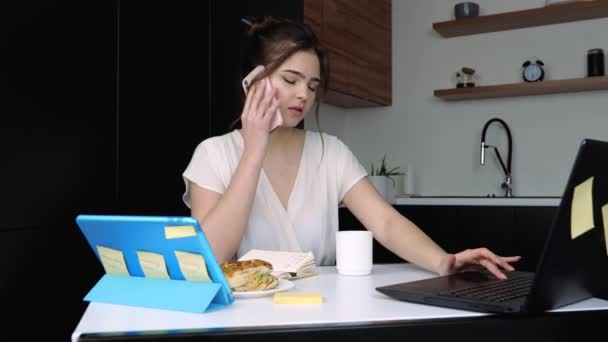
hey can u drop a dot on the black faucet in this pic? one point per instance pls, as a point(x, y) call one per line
point(508, 183)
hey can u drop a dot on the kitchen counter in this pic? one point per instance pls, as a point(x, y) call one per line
point(527, 201)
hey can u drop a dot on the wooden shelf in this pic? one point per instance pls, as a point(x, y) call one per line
point(552, 14)
point(524, 89)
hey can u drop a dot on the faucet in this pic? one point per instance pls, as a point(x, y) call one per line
point(507, 185)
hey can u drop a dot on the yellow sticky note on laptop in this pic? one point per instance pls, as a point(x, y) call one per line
point(153, 265)
point(113, 261)
point(581, 216)
point(192, 266)
point(605, 219)
point(176, 232)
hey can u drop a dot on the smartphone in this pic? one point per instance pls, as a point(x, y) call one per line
point(277, 120)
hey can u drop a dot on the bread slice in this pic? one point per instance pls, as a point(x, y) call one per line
point(249, 275)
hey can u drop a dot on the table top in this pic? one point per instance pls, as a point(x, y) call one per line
point(346, 300)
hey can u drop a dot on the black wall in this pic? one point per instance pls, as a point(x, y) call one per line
point(179, 83)
point(57, 146)
point(226, 52)
point(163, 110)
point(102, 105)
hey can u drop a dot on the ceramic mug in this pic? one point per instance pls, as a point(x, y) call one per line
point(354, 252)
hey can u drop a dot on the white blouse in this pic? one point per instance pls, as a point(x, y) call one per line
point(327, 171)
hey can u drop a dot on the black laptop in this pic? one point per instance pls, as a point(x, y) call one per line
point(573, 265)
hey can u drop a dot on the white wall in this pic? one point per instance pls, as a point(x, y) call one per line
point(441, 139)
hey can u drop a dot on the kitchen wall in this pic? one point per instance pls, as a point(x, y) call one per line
point(440, 140)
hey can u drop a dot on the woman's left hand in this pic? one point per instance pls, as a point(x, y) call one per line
point(475, 258)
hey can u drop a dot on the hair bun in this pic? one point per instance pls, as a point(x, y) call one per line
point(259, 26)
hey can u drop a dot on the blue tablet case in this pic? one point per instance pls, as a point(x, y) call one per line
point(130, 234)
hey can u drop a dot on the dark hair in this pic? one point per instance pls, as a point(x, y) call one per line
point(271, 41)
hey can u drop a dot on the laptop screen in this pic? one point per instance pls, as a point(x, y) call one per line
point(574, 262)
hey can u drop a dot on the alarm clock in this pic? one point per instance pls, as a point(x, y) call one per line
point(533, 70)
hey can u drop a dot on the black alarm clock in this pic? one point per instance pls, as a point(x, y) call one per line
point(533, 70)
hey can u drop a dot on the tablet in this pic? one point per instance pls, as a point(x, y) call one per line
point(151, 256)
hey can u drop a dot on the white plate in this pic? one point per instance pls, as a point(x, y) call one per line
point(283, 285)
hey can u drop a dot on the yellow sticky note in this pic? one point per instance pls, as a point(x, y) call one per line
point(605, 219)
point(176, 232)
point(113, 261)
point(298, 298)
point(192, 266)
point(581, 216)
point(153, 265)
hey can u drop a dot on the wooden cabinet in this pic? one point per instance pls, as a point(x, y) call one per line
point(357, 37)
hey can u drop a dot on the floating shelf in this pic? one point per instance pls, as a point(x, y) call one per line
point(552, 14)
point(524, 89)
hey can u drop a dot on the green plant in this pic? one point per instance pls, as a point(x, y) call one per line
point(384, 170)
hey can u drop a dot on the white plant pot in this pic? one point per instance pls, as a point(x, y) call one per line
point(409, 185)
point(384, 186)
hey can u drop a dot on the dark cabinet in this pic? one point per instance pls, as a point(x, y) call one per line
point(357, 37)
point(445, 233)
point(504, 230)
point(442, 230)
point(532, 227)
point(491, 227)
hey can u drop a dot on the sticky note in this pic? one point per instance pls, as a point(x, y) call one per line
point(176, 232)
point(298, 298)
point(153, 265)
point(192, 266)
point(581, 216)
point(113, 261)
point(605, 219)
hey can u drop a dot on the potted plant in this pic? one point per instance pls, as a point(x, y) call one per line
point(382, 177)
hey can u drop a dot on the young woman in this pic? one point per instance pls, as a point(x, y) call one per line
point(280, 190)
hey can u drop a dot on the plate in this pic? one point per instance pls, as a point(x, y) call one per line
point(283, 285)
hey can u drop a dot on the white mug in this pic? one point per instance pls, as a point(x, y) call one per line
point(354, 252)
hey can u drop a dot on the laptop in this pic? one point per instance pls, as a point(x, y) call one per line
point(573, 265)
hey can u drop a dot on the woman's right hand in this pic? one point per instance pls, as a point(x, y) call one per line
point(260, 107)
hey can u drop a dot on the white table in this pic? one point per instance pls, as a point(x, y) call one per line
point(347, 299)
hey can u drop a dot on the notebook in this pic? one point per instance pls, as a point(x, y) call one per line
point(286, 265)
point(573, 265)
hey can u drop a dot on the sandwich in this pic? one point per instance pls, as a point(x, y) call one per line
point(249, 275)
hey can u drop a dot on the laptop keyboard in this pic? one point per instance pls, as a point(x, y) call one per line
point(500, 291)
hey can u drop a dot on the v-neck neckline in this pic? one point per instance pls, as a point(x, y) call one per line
point(295, 182)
